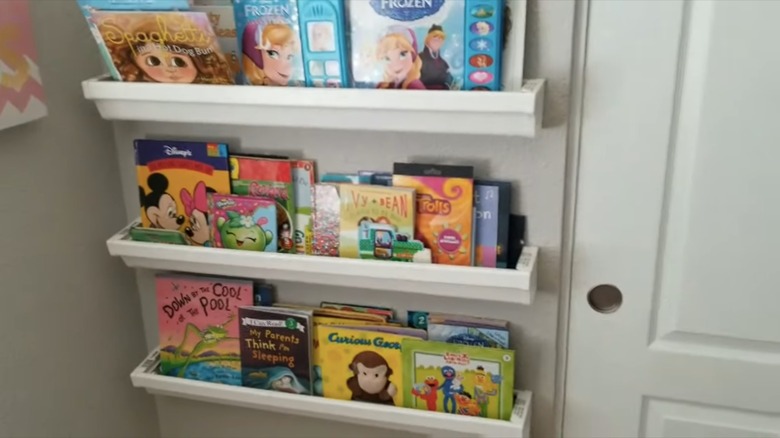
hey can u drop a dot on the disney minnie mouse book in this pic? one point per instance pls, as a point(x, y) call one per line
point(170, 47)
point(174, 180)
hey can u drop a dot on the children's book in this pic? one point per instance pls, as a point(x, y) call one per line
point(157, 235)
point(426, 44)
point(376, 222)
point(466, 330)
point(458, 379)
point(243, 222)
point(198, 326)
point(89, 6)
point(491, 229)
point(396, 330)
point(445, 201)
point(326, 211)
point(383, 311)
point(264, 294)
point(276, 349)
point(336, 313)
point(272, 179)
point(360, 365)
point(174, 179)
point(223, 22)
point(324, 45)
point(269, 42)
point(303, 180)
point(516, 239)
point(170, 47)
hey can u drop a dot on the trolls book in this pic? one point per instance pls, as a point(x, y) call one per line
point(364, 207)
point(276, 349)
point(445, 208)
point(268, 178)
point(360, 365)
point(174, 180)
point(170, 47)
point(198, 323)
point(458, 379)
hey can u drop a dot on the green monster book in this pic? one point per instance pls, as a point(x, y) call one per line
point(458, 379)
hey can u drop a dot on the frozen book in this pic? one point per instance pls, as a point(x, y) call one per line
point(303, 181)
point(491, 229)
point(174, 180)
point(269, 42)
point(360, 365)
point(171, 47)
point(276, 349)
point(458, 379)
point(271, 179)
point(445, 201)
point(198, 326)
point(426, 44)
point(376, 222)
point(243, 222)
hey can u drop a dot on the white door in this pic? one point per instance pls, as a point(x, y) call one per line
point(678, 207)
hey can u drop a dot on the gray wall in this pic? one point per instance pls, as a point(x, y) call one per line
point(70, 316)
point(537, 166)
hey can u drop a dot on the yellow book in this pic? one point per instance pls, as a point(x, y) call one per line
point(360, 365)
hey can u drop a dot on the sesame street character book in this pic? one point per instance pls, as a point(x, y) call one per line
point(386, 213)
point(360, 365)
point(272, 179)
point(269, 42)
point(89, 6)
point(445, 208)
point(458, 379)
point(276, 349)
point(170, 47)
point(198, 326)
point(243, 222)
point(174, 180)
point(426, 44)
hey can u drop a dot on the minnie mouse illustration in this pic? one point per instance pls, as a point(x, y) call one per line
point(158, 205)
point(196, 208)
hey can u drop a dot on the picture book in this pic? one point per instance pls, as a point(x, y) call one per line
point(458, 379)
point(324, 45)
point(303, 181)
point(341, 178)
point(174, 179)
point(396, 330)
point(336, 313)
point(360, 365)
point(264, 294)
point(491, 229)
point(516, 239)
point(269, 42)
point(157, 235)
point(223, 21)
point(375, 178)
point(468, 330)
point(326, 211)
point(417, 319)
point(171, 47)
point(445, 201)
point(426, 44)
point(377, 221)
point(89, 6)
point(382, 311)
point(272, 179)
point(243, 222)
point(276, 349)
point(198, 326)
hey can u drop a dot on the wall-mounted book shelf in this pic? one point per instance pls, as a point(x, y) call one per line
point(516, 286)
point(515, 113)
point(419, 421)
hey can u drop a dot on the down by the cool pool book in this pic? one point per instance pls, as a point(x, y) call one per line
point(458, 379)
point(198, 325)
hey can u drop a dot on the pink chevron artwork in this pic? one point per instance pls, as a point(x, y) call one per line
point(21, 91)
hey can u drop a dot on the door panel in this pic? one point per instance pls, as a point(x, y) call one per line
point(678, 206)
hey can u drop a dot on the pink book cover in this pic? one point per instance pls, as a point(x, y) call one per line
point(198, 324)
point(21, 92)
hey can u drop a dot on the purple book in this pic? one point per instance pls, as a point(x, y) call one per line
point(491, 199)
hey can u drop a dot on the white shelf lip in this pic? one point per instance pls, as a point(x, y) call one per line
point(145, 376)
point(516, 113)
point(516, 286)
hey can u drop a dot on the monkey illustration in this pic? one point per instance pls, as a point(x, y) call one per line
point(370, 380)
